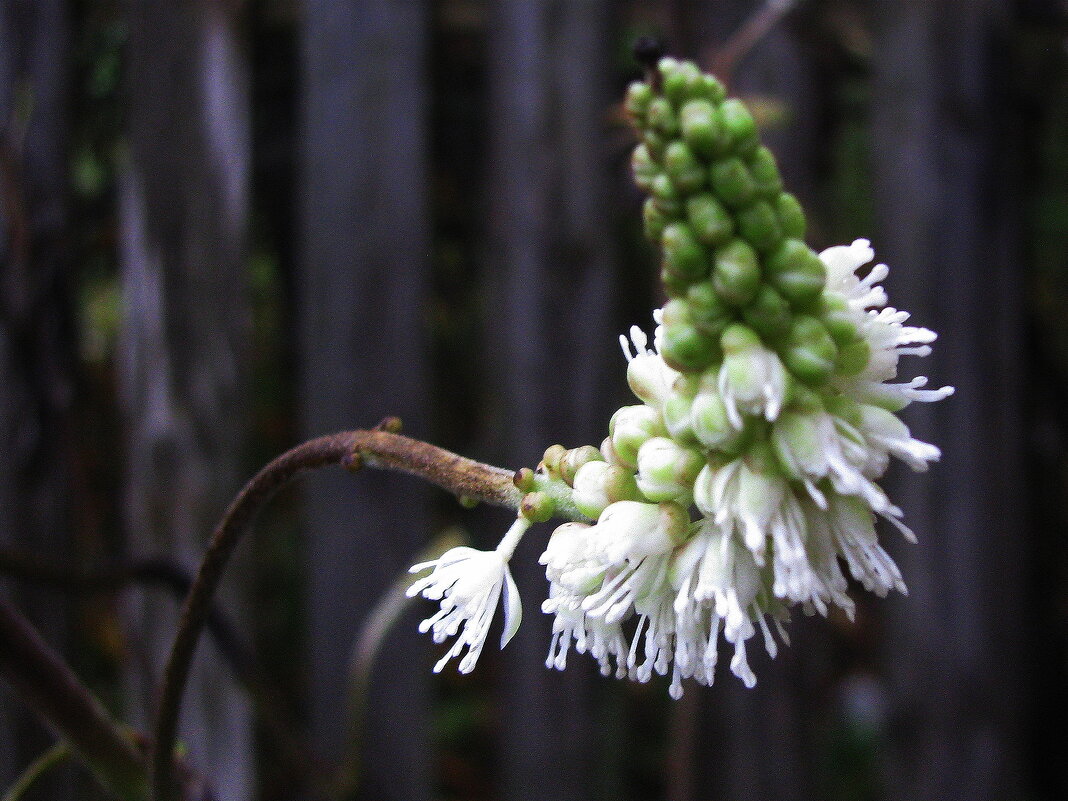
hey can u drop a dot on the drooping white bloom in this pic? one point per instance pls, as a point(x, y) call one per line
point(468, 583)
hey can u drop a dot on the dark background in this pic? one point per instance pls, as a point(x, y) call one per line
point(229, 226)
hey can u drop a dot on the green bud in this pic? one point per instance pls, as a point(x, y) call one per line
point(711, 222)
point(768, 314)
point(709, 88)
point(677, 419)
point(796, 271)
point(639, 96)
point(765, 172)
point(853, 357)
point(701, 128)
point(680, 81)
point(796, 442)
point(655, 219)
point(644, 167)
point(685, 171)
point(661, 117)
point(674, 286)
point(550, 460)
point(839, 318)
point(630, 427)
point(684, 257)
point(655, 141)
point(759, 225)
point(687, 349)
point(732, 183)
point(738, 338)
point(620, 485)
point(805, 400)
point(666, 470)
point(845, 408)
point(708, 418)
point(736, 273)
point(574, 459)
point(537, 507)
point(707, 310)
point(809, 353)
point(739, 124)
point(664, 189)
point(791, 215)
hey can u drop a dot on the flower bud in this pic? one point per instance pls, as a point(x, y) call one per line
point(796, 272)
point(686, 348)
point(709, 421)
point(666, 470)
point(706, 308)
point(685, 171)
point(664, 190)
point(736, 273)
point(791, 215)
point(639, 96)
point(853, 357)
point(732, 183)
point(629, 429)
point(684, 257)
point(680, 80)
point(711, 222)
point(650, 378)
point(644, 167)
point(739, 125)
point(752, 378)
point(550, 460)
point(677, 419)
point(798, 446)
point(701, 128)
point(765, 172)
point(590, 495)
point(655, 219)
point(759, 226)
point(840, 320)
point(661, 117)
point(574, 459)
point(537, 507)
point(769, 313)
point(810, 353)
point(631, 530)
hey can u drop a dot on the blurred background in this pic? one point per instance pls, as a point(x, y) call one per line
point(228, 226)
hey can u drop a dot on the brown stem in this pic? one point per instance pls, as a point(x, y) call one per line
point(378, 448)
point(43, 680)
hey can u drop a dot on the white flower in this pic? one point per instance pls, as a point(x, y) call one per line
point(468, 583)
point(752, 379)
point(648, 374)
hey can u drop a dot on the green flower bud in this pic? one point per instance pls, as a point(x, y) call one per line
point(797, 444)
point(655, 141)
point(796, 272)
point(709, 421)
point(707, 310)
point(685, 171)
point(791, 215)
point(574, 459)
point(839, 318)
point(738, 338)
point(550, 460)
point(853, 357)
point(677, 419)
point(739, 124)
point(759, 226)
point(644, 167)
point(736, 273)
point(620, 485)
point(679, 81)
point(662, 118)
point(846, 408)
point(655, 219)
point(769, 313)
point(590, 496)
point(537, 507)
point(805, 400)
point(809, 353)
point(663, 189)
point(674, 286)
point(711, 222)
point(683, 256)
point(701, 128)
point(765, 172)
point(666, 470)
point(630, 427)
point(732, 183)
point(639, 96)
point(709, 88)
point(687, 349)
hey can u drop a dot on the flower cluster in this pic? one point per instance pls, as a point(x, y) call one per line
point(745, 480)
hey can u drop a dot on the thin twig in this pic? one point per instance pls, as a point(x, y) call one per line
point(45, 683)
point(726, 57)
point(49, 759)
point(381, 448)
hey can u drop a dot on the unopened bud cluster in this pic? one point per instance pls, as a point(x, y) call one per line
point(745, 479)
